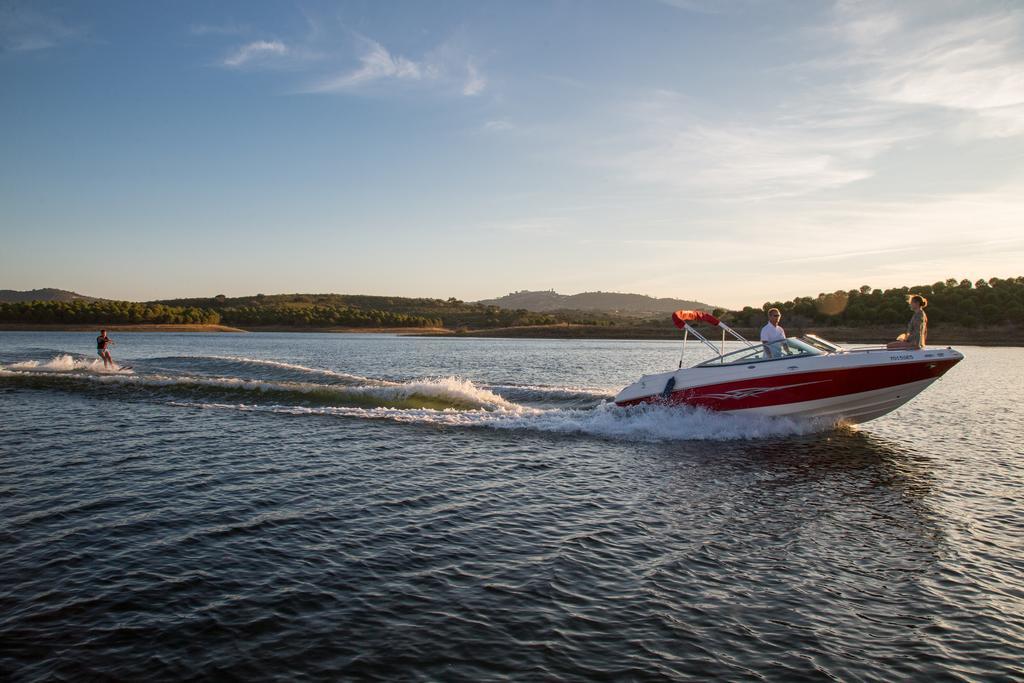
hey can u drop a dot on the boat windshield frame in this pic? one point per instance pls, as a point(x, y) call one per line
point(822, 343)
point(786, 349)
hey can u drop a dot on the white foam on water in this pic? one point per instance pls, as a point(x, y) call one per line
point(453, 387)
point(568, 392)
point(24, 365)
point(67, 363)
point(636, 423)
point(472, 406)
point(454, 390)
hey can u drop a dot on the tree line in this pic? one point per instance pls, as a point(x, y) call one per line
point(984, 302)
point(320, 316)
point(275, 313)
point(353, 310)
point(104, 312)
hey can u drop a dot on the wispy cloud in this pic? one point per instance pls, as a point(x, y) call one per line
point(781, 156)
point(972, 65)
point(498, 125)
point(320, 53)
point(443, 67)
point(25, 29)
point(535, 226)
point(839, 244)
point(218, 29)
point(376, 64)
point(713, 6)
point(255, 51)
point(846, 255)
point(909, 236)
point(887, 76)
point(475, 82)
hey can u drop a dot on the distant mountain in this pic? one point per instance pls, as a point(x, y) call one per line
point(608, 302)
point(11, 296)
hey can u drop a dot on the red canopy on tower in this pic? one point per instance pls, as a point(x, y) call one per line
point(680, 318)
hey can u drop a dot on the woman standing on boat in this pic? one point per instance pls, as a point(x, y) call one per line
point(917, 328)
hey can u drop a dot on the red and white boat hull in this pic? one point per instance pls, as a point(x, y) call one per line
point(853, 386)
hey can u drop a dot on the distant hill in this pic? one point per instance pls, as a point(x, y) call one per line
point(48, 294)
point(606, 302)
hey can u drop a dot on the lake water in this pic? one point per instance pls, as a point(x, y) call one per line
point(314, 506)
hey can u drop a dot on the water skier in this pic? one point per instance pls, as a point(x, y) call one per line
point(102, 342)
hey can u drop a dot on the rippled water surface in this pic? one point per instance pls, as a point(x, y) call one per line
point(276, 506)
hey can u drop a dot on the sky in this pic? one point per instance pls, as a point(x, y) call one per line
point(730, 152)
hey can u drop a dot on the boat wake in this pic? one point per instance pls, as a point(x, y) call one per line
point(272, 387)
point(641, 423)
point(66, 363)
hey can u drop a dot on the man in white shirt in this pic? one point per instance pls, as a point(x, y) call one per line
point(772, 332)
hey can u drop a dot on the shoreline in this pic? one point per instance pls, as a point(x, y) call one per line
point(149, 327)
point(945, 335)
point(142, 327)
point(408, 331)
point(938, 336)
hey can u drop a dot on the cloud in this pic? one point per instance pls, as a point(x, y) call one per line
point(888, 76)
point(23, 30)
point(498, 125)
point(255, 51)
point(774, 156)
point(831, 244)
point(319, 51)
point(713, 6)
point(376, 64)
point(534, 226)
point(475, 83)
point(847, 255)
point(908, 235)
point(444, 67)
point(970, 65)
point(217, 30)
point(756, 162)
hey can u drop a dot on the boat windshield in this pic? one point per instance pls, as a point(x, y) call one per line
point(758, 353)
point(823, 344)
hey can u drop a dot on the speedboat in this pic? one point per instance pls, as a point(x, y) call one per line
point(801, 377)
